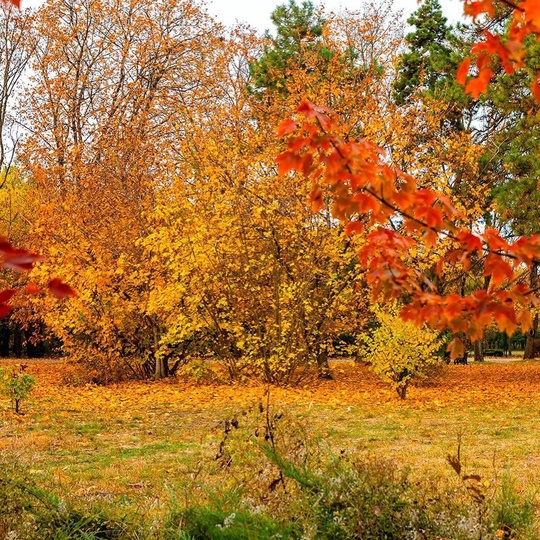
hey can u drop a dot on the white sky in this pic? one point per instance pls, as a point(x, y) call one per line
point(257, 12)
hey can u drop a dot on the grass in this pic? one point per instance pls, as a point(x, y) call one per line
point(135, 444)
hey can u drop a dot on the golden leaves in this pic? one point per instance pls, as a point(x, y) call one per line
point(477, 385)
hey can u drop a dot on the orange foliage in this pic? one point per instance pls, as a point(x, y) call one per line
point(525, 20)
point(475, 385)
point(365, 189)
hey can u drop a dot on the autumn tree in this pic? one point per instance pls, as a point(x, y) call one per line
point(110, 82)
point(427, 72)
point(412, 134)
point(365, 187)
point(248, 269)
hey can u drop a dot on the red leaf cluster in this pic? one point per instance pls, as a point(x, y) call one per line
point(511, 53)
point(367, 192)
point(23, 260)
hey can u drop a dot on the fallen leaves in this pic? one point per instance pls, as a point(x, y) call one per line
point(109, 440)
point(353, 385)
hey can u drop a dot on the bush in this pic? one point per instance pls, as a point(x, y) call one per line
point(399, 351)
point(275, 474)
point(16, 385)
point(201, 523)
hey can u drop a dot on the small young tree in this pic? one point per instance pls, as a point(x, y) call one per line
point(16, 385)
point(399, 350)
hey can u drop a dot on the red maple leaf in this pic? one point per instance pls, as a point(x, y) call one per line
point(59, 289)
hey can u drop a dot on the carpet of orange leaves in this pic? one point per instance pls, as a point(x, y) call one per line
point(473, 385)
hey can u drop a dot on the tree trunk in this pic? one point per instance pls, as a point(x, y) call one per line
point(530, 352)
point(478, 352)
point(161, 368)
point(323, 366)
point(506, 345)
point(162, 363)
point(530, 349)
point(402, 391)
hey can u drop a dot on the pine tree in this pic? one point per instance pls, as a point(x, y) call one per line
point(298, 28)
point(430, 62)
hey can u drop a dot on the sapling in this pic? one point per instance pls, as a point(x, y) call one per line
point(16, 385)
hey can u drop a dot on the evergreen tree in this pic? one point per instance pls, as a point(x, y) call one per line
point(433, 56)
point(298, 27)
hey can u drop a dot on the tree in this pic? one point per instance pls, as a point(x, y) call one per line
point(365, 188)
point(427, 71)
point(16, 385)
point(400, 351)
point(427, 62)
point(111, 80)
point(16, 48)
point(299, 29)
point(248, 269)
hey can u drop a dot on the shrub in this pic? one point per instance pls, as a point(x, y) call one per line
point(399, 351)
point(16, 385)
point(201, 522)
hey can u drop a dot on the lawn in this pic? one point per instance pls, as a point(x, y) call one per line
point(137, 444)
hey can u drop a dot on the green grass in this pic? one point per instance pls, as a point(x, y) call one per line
point(74, 445)
point(139, 459)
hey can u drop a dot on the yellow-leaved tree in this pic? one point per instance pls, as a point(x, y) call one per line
point(399, 351)
point(110, 80)
point(248, 272)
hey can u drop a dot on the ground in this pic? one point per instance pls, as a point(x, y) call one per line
point(137, 439)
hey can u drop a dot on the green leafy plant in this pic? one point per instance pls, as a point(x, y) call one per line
point(16, 385)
